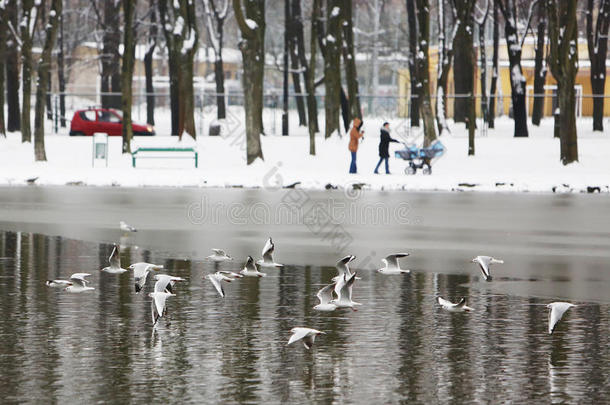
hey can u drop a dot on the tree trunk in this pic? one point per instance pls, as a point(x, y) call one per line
point(412, 22)
point(296, 76)
point(111, 58)
point(494, 73)
point(61, 77)
point(299, 46)
point(483, 69)
point(539, 68)
point(219, 77)
point(332, 72)
point(252, 46)
point(463, 73)
point(3, 36)
point(127, 71)
point(423, 73)
point(349, 59)
point(28, 13)
point(563, 61)
point(445, 56)
point(44, 66)
point(148, 65)
point(13, 122)
point(597, 42)
point(312, 107)
point(517, 81)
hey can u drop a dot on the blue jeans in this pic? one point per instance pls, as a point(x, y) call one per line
point(352, 166)
point(387, 165)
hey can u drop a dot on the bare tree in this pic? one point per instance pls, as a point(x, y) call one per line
point(597, 43)
point(412, 22)
point(252, 46)
point(515, 47)
point(44, 66)
point(3, 37)
point(312, 108)
point(494, 70)
point(298, 64)
point(481, 21)
point(215, 20)
point(148, 64)
point(332, 63)
point(563, 62)
point(539, 67)
point(127, 71)
point(13, 122)
point(27, 28)
point(445, 56)
point(110, 57)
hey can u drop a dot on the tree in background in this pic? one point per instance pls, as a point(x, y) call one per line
point(515, 48)
point(13, 121)
point(349, 61)
point(312, 107)
point(148, 64)
point(481, 22)
point(44, 66)
point(3, 37)
point(445, 56)
point(563, 62)
point(597, 43)
point(215, 20)
point(127, 71)
point(252, 46)
point(539, 66)
point(423, 72)
point(412, 23)
point(494, 69)
point(27, 28)
point(110, 58)
point(332, 64)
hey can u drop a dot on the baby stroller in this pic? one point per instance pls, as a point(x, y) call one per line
point(420, 158)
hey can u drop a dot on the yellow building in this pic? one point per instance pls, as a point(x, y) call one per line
point(584, 104)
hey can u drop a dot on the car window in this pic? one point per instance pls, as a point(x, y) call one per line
point(88, 115)
point(107, 116)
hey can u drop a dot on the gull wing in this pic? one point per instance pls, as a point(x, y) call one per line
point(154, 313)
point(164, 282)
point(79, 278)
point(483, 262)
point(268, 251)
point(298, 334)
point(250, 266)
point(215, 280)
point(392, 260)
point(557, 309)
point(219, 252)
point(342, 265)
point(115, 259)
point(443, 302)
point(326, 294)
point(308, 341)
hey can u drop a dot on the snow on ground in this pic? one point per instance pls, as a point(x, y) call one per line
point(519, 164)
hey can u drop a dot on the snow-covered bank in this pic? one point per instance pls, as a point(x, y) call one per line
point(502, 163)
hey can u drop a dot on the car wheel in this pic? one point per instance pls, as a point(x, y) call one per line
point(76, 133)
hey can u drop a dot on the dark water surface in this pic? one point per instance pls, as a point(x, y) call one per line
point(398, 347)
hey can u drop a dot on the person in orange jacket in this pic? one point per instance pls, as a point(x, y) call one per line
point(354, 138)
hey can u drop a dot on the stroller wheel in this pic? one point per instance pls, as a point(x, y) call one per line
point(410, 170)
point(427, 170)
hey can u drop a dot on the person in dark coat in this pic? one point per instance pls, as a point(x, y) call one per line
point(384, 144)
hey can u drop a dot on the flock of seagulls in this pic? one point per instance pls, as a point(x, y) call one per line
point(337, 294)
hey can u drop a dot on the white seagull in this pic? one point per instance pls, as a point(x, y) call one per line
point(78, 283)
point(343, 268)
point(343, 289)
point(484, 262)
point(557, 309)
point(308, 336)
point(250, 269)
point(159, 295)
point(219, 256)
point(115, 262)
point(267, 260)
point(230, 274)
point(140, 273)
point(325, 295)
point(125, 227)
point(58, 283)
point(215, 279)
point(450, 306)
point(165, 283)
point(392, 266)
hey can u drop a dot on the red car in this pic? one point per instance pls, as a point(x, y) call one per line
point(103, 120)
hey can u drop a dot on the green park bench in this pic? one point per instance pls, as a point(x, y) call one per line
point(138, 154)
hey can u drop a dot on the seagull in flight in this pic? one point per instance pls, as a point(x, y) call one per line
point(125, 227)
point(165, 282)
point(451, 307)
point(219, 256)
point(343, 268)
point(140, 273)
point(267, 260)
point(392, 266)
point(325, 295)
point(343, 289)
point(159, 296)
point(307, 335)
point(484, 262)
point(115, 262)
point(78, 283)
point(250, 269)
point(216, 278)
point(556, 311)
point(58, 283)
